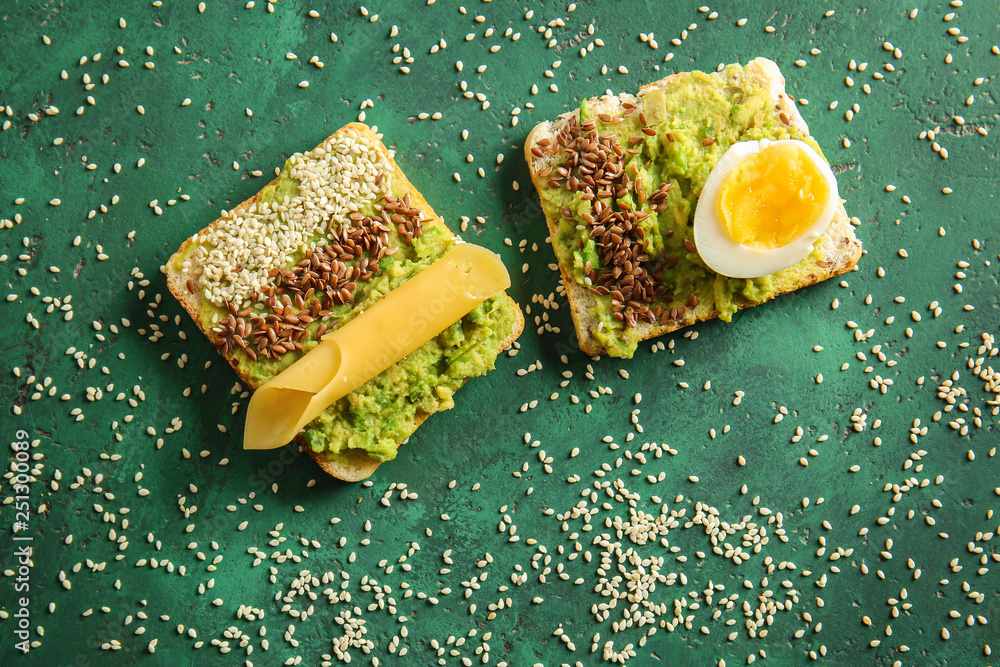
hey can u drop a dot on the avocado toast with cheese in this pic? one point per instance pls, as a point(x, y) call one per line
point(339, 228)
point(619, 180)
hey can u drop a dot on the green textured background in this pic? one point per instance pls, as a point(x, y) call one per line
point(233, 58)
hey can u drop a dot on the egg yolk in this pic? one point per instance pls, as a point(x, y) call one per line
point(772, 197)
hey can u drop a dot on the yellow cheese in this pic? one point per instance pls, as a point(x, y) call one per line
point(346, 358)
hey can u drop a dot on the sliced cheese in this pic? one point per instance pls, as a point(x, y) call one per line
point(347, 357)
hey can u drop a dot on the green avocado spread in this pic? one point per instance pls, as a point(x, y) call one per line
point(384, 411)
point(690, 123)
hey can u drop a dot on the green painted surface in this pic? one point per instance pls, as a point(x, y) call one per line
point(232, 59)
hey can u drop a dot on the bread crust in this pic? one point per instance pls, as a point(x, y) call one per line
point(351, 465)
point(839, 246)
point(354, 465)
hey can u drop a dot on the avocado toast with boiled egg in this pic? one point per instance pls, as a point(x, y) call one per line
point(702, 195)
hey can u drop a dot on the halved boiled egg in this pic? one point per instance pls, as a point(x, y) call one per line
point(763, 206)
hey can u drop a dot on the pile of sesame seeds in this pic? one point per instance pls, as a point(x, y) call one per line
point(956, 397)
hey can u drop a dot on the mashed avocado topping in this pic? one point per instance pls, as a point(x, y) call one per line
point(387, 409)
point(625, 208)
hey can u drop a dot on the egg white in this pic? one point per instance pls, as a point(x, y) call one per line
point(724, 255)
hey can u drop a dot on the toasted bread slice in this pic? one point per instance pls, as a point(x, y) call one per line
point(186, 280)
point(839, 248)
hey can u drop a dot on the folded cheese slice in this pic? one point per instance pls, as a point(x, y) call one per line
point(346, 358)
